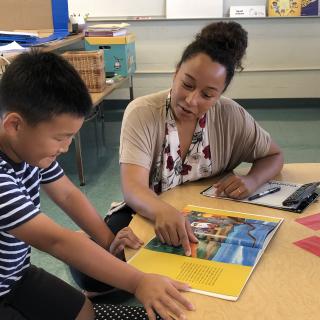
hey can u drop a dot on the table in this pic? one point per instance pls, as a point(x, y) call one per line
point(286, 282)
point(97, 99)
point(50, 46)
point(58, 44)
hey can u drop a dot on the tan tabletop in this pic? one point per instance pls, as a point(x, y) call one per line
point(58, 44)
point(98, 97)
point(286, 282)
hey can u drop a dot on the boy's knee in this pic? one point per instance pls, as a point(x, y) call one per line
point(86, 312)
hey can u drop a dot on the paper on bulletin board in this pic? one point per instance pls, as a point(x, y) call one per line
point(180, 9)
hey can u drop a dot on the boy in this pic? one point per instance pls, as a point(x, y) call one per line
point(43, 103)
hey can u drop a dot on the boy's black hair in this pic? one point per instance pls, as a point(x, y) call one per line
point(224, 42)
point(41, 85)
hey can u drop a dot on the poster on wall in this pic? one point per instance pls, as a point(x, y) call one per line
point(180, 9)
point(284, 8)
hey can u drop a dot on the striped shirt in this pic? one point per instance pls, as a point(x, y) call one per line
point(19, 202)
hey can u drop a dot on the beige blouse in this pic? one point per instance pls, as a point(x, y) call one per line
point(234, 135)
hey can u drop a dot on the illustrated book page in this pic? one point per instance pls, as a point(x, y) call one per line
point(229, 246)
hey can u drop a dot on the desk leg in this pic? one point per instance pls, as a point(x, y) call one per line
point(101, 118)
point(131, 87)
point(77, 141)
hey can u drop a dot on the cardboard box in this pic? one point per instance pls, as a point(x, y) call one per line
point(36, 15)
point(119, 53)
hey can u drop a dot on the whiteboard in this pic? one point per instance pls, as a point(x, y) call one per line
point(117, 8)
point(194, 9)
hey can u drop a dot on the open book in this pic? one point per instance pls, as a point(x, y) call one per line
point(273, 200)
point(229, 246)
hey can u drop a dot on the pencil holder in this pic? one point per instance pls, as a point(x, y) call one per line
point(90, 65)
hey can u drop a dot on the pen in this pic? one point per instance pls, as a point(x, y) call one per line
point(264, 193)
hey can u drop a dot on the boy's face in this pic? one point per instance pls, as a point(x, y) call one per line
point(41, 144)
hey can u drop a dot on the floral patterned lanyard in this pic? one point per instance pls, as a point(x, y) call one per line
point(170, 170)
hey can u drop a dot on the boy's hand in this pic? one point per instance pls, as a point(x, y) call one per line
point(173, 228)
point(124, 238)
point(161, 295)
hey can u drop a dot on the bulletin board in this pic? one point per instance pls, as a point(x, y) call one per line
point(25, 15)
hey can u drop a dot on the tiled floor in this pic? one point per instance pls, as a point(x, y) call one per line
point(296, 130)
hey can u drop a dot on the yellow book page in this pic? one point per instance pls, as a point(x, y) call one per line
point(210, 276)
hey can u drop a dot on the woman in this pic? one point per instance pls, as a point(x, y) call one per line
point(190, 132)
point(187, 133)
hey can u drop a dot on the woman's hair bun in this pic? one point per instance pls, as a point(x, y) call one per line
point(228, 37)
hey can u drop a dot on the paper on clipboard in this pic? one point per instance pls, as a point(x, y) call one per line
point(273, 200)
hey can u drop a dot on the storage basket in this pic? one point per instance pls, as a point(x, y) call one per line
point(90, 65)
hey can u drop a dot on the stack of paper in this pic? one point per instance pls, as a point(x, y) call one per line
point(107, 30)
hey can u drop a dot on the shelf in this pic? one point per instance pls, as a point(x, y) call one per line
point(163, 18)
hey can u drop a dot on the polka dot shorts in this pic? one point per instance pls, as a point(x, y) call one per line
point(120, 312)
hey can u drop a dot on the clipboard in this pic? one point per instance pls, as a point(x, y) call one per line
point(273, 200)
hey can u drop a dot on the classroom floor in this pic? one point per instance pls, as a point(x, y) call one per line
point(296, 130)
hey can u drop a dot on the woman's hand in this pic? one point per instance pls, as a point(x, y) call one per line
point(261, 171)
point(124, 238)
point(173, 228)
point(161, 295)
point(236, 186)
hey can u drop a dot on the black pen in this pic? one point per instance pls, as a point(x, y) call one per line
point(264, 193)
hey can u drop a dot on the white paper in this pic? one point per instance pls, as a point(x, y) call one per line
point(13, 46)
point(247, 11)
point(109, 26)
point(271, 200)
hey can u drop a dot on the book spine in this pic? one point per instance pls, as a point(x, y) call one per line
point(98, 34)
